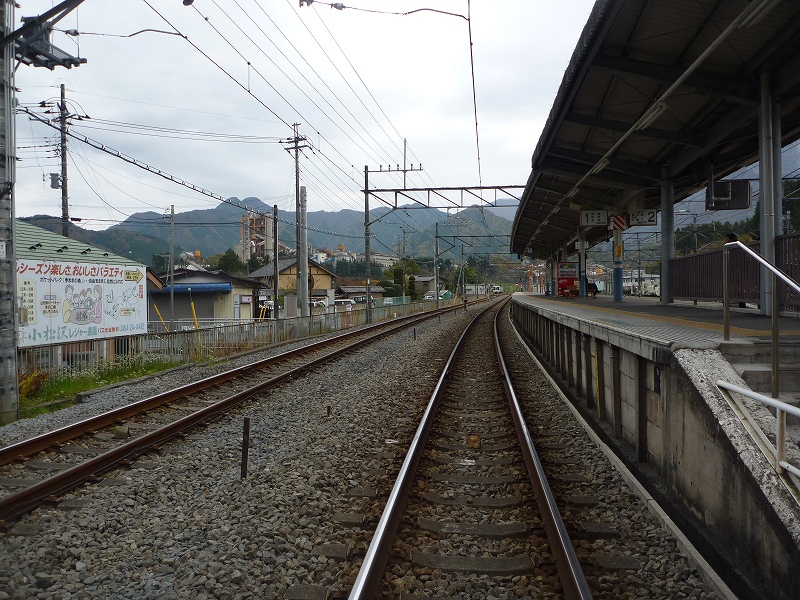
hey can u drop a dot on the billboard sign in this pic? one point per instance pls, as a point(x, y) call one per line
point(74, 302)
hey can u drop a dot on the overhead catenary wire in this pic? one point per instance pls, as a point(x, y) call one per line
point(300, 55)
point(168, 176)
point(333, 194)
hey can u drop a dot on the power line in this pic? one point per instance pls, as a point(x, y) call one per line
point(168, 176)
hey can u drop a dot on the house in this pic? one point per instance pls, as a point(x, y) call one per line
point(382, 260)
point(424, 283)
point(216, 296)
point(320, 279)
point(69, 293)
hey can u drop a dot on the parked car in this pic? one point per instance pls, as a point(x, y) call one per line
point(388, 301)
point(429, 296)
point(318, 304)
point(344, 303)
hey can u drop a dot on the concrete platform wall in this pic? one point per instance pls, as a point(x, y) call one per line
point(659, 408)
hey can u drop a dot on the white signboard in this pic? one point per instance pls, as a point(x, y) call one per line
point(647, 216)
point(594, 218)
point(75, 302)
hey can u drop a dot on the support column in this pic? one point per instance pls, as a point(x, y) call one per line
point(766, 190)
point(618, 256)
point(777, 165)
point(616, 391)
point(582, 263)
point(667, 237)
point(641, 409)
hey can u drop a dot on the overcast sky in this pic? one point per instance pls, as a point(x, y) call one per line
point(358, 82)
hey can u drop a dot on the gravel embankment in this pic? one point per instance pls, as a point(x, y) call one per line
point(182, 524)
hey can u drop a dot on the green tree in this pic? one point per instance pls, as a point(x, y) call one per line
point(254, 263)
point(412, 267)
point(412, 288)
point(231, 263)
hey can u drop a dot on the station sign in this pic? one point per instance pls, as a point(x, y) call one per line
point(594, 218)
point(647, 216)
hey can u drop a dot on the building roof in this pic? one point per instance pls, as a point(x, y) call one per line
point(34, 243)
point(656, 91)
point(284, 264)
point(190, 275)
point(360, 289)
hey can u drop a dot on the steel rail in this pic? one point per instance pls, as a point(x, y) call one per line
point(370, 575)
point(569, 569)
point(24, 448)
point(15, 505)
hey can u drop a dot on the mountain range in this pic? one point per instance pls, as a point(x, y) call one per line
point(409, 230)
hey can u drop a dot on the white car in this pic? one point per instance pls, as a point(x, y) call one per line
point(429, 296)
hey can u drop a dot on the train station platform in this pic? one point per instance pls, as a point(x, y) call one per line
point(645, 376)
point(679, 322)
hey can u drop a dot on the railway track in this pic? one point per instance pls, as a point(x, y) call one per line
point(471, 510)
point(86, 450)
point(325, 450)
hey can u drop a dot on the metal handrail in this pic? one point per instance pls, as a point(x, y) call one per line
point(726, 302)
point(778, 451)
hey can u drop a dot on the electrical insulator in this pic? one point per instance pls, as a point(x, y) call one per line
point(337, 6)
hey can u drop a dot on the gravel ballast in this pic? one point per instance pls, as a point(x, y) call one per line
point(181, 523)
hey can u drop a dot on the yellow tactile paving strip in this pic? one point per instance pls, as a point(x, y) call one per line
point(740, 331)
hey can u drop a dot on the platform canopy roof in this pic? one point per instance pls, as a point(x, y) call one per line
point(656, 90)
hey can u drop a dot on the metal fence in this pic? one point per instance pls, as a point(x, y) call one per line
point(699, 276)
point(213, 339)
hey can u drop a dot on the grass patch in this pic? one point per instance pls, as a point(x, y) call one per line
point(57, 393)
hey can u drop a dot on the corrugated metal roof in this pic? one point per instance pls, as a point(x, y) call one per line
point(628, 55)
point(35, 243)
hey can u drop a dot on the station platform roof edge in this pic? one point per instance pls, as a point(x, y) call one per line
point(657, 91)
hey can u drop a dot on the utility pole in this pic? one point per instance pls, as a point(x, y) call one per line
point(302, 257)
point(436, 266)
point(367, 254)
point(172, 267)
point(275, 271)
point(9, 385)
point(403, 261)
point(23, 39)
point(64, 114)
point(296, 146)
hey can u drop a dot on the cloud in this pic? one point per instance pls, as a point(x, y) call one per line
point(401, 77)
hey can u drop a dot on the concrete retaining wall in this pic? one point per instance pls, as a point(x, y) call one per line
point(659, 407)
